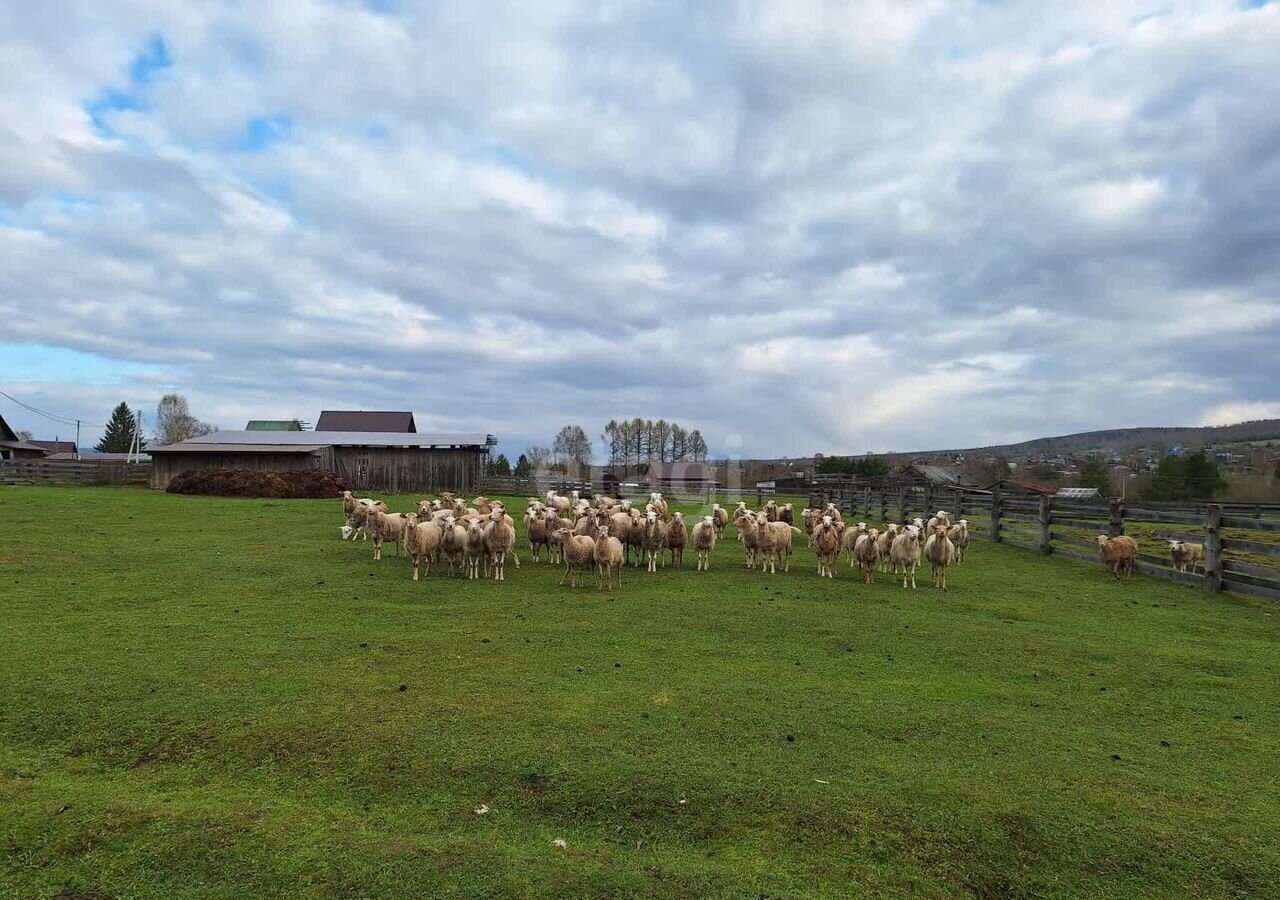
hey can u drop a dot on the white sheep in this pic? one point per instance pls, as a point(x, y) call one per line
point(608, 557)
point(704, 541)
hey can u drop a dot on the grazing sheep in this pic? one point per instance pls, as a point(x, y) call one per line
point(677, 538)
point(635, 536)
point(660, 504)
point(905, 553)
point(775, 541)
point(719, 518)
point(941, 517)
point(577, 550)
point(959, 535)
point(1186, 556)
point(849, 539)
point(749, 535)
point(704, 541)
point(608, 556)
point(421, 542)
point(539, 534)
point(350, 503)
point(654, 539)
point(475, 550)
point(867, 552)
point(826, 543)
point(939, 551)
point(560, 503)
point(453, 543)
point(883, 542)
point(499, 540)
point(1118, 554)
point(586, 523)
point(383, 526)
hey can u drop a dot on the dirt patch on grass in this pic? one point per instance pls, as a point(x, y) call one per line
point(311, 484)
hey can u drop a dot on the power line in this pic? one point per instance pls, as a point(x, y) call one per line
point(64, 420)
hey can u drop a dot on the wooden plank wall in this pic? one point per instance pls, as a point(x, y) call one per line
point(71, 471)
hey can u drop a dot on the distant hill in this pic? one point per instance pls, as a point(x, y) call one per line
point(1121, 440)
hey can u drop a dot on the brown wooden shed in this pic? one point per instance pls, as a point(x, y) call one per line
point(369, 460)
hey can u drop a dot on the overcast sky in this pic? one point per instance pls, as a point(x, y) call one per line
point(800, 226)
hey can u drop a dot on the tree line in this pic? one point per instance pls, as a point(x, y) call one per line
point(637, 441)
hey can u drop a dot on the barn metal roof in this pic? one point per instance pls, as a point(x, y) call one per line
point(366, 421)
point(234, 440)
point(200, 446)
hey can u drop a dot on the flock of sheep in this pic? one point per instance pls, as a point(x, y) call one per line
point(1120, 553)
point(479, 536)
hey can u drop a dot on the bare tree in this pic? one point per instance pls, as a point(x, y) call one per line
point(537, 457)
point(572, 446)
point(174, 422)
point(24, 435)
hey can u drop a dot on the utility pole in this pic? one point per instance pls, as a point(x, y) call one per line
point(77, 439)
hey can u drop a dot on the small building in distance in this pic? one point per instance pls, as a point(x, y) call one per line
point(1019, 486)
point(918, 475)
point(385, 461)
point(693, 475)
point(274, 425)
point(13, 447)
point(360, 420)
point(1078, 493)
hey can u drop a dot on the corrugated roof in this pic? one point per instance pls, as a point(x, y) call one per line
point(339, 439)
point(99, 457)
point(21, 445)
point(937, 474)
point(361, 420)
point(202, 446)
point(56, 446)
point(1078, 493)
point(273, 425)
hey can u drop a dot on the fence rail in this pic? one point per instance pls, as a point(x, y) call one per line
point(72, 471)
point(1239, 563)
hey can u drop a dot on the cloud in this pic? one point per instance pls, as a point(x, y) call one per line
point(845, 227)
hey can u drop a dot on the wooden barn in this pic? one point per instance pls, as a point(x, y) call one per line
point(401, 461)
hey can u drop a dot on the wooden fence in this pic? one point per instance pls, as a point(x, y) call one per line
point(682, 491)
point(1241, 540)
point(72, 471)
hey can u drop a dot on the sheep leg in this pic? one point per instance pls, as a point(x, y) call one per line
point(415, 567)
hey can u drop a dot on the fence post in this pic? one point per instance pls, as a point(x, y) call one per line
point(902, 503)
point(1115, 527)
point(1213, 548)
point(1046, 508)
point(995, 514)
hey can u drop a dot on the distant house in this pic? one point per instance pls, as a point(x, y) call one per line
point(681, 474)
point(786, 484)
point(13, 447)
point(52, 447)
point(1078, 493)
point(360, 420)
point(1019, 486)
point(273, 425)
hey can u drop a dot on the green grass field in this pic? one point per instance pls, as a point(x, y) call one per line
point(209, 698)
